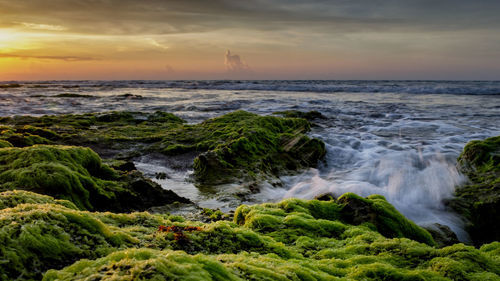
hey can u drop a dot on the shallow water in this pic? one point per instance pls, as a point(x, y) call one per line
point(395, 138)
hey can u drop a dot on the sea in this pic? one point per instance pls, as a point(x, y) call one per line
point(399, 139)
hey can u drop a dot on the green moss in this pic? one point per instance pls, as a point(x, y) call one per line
point(4, 143)
point(214, 215)
point(144, 264)
point(21, 139)
point(164, 117)
point(147, 264)
point(479, 200)
point(45, 133)
point(10, 199)
point(36, 237)
point(316, 218)
point(392, 223)
point(77, 174)
point(221, 237)
point(38, 233)
point(71, 173)
point(481, 154)
point(236, 145)
point(243, 144)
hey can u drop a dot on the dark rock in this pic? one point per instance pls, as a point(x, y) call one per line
point(325, 197)
point(125, 166)
point(147, 193)
point(479, 200)
point(77, 174)
point(442, 235)
point(161, 176)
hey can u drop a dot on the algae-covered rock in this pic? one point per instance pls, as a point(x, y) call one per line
point(21, 138)
point(145, 264)
point(236, 145)
point(377, 211)
point(246, 145)
point(309, 242)
point(320, 218)
point(12, 198)
point(463, 263)
point(479, 200)
point(37, 237)
point(77, 174)
point(4, 143)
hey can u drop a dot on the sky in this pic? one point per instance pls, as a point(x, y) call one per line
point(250, 39)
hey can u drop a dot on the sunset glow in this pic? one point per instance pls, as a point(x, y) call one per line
point(278, 40)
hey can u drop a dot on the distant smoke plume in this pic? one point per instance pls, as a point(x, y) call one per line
point(234, 63)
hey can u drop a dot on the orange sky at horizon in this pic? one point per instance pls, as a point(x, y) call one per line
point(111, 40)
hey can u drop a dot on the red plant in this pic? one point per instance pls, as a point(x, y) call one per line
point(178, 231)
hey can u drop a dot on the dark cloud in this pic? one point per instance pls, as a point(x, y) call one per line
point(175, 16)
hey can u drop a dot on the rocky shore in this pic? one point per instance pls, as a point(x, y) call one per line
point(73, 206)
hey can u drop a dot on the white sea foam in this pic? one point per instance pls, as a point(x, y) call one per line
point(414, 183)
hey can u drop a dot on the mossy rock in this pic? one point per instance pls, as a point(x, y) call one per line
point(377, 211)
point(479, 200)
point(4, 143)
point(12, 198)
point(37, 237)
point(145, 264)
point(246, 145)
point(77, 174)
point(319, 218)
point(21, 138)
point(44, 133)
point(239, 145)
point(149, 264)
point(39, 233)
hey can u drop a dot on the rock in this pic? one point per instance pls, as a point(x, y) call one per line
point(326, 197)
point(250, 146)
point(376, 211)
point(121, 165)
point(442, 235)
point(290, 240)
point(479, 200)
point(77, 174)
point(146, 193)
point(39, 233)
point(236, 145)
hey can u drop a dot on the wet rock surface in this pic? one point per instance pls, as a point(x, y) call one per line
point(479, 200)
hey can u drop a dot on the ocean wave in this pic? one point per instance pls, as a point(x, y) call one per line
point(317, 86)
